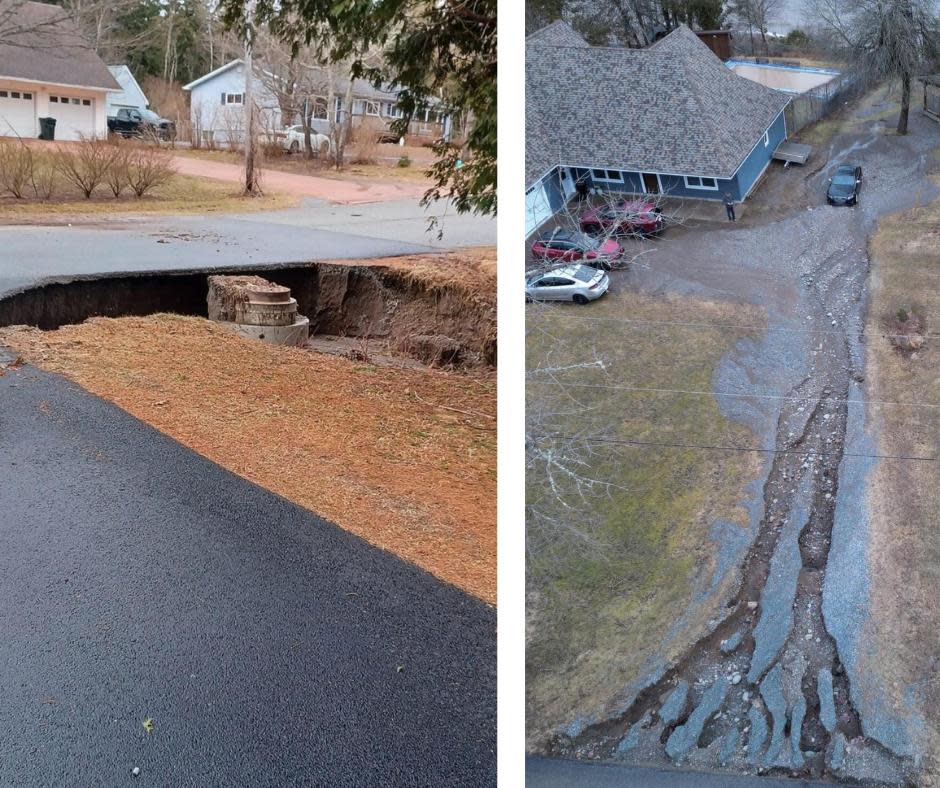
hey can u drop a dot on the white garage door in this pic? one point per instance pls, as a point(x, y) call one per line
point(74, 116)
point(537, 209)
point(17, 113)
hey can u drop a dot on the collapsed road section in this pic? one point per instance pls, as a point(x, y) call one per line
point(436, 309)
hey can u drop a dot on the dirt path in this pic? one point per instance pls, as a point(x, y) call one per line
point(295, 185)
point(773, 686)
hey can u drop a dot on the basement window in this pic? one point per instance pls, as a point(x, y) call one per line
point(697, 182)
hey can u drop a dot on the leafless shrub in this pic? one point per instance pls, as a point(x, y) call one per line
point(85, 164)
point(197, 126)
point(233, 124)
point(117, 175)
point(16, 167)
point(367, 146)
point(43, 177)
point(148, 168)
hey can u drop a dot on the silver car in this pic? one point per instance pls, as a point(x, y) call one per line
point(578, 283)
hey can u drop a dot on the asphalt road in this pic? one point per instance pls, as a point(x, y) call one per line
point(268, 647)
point(316, 230)
point(555, 773)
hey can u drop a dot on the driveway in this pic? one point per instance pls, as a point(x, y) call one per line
point(140, 582)
point(317, 230)
point(298, 185)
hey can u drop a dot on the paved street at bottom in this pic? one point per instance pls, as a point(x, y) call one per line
point(138, 581)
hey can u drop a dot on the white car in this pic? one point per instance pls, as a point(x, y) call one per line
point(578, 283)
point(293, 141)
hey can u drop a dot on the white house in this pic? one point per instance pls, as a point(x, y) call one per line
point(217, 106)
point(131, 95)
point(51, 72)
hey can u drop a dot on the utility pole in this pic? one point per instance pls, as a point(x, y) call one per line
point(252, 186)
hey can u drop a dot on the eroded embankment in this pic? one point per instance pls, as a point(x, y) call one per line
point(766, 689)
point(434, 318)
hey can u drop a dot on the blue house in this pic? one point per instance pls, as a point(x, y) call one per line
point(667, 120)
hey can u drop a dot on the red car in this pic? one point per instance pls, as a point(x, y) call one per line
point(625, 217)
point(567, 246)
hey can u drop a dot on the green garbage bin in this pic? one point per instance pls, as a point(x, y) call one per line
point(47, 128)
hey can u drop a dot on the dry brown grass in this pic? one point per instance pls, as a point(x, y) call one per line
point(180, 195)
point(595, 617)
point(405, 459)
point(471, 270)
point(904, 551)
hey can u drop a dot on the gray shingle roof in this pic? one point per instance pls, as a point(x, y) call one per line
point(673, 108)
point(47, 47)
point(557, 34)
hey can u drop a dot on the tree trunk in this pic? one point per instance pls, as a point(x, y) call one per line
point(307, 116)
point(905, 103)
point(346, 131)
point(252, 187)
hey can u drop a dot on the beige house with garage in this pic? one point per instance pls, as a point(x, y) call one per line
point(51, 72)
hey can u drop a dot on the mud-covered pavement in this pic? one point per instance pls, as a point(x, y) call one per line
point(773, 686)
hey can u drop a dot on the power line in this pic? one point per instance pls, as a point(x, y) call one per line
point(740, 326)
point(742, 449)
point(735, 395)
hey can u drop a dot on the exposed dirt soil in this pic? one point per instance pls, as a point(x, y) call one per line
point(413, 305)
point(292, 175)
point(405, 459)
point(383, 162)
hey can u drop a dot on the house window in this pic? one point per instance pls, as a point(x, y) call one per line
point(696, 182)
point(318, 109)
point(3, 94)
point(766, 138)
point(28, 96)
point(233, 98)
point(15, 94)
point(372, 108)
point(611, 176)
point(54, 99)
point(86, 102)
point(76, 101)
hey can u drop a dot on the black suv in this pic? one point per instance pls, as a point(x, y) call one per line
point(844, 185)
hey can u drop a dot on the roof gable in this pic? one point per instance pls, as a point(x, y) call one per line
point(558, 34)
point(50, 49)
point(131, 91)
point(673, 108)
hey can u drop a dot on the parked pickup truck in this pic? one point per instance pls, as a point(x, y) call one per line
point(141, 123)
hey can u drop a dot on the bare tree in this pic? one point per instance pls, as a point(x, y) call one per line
point(887, 39)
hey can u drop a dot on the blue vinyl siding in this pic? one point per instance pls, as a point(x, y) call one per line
point(739, 186)
point(757, 161)
point(553, 190)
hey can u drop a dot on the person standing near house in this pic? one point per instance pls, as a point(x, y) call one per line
point(729, 207)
